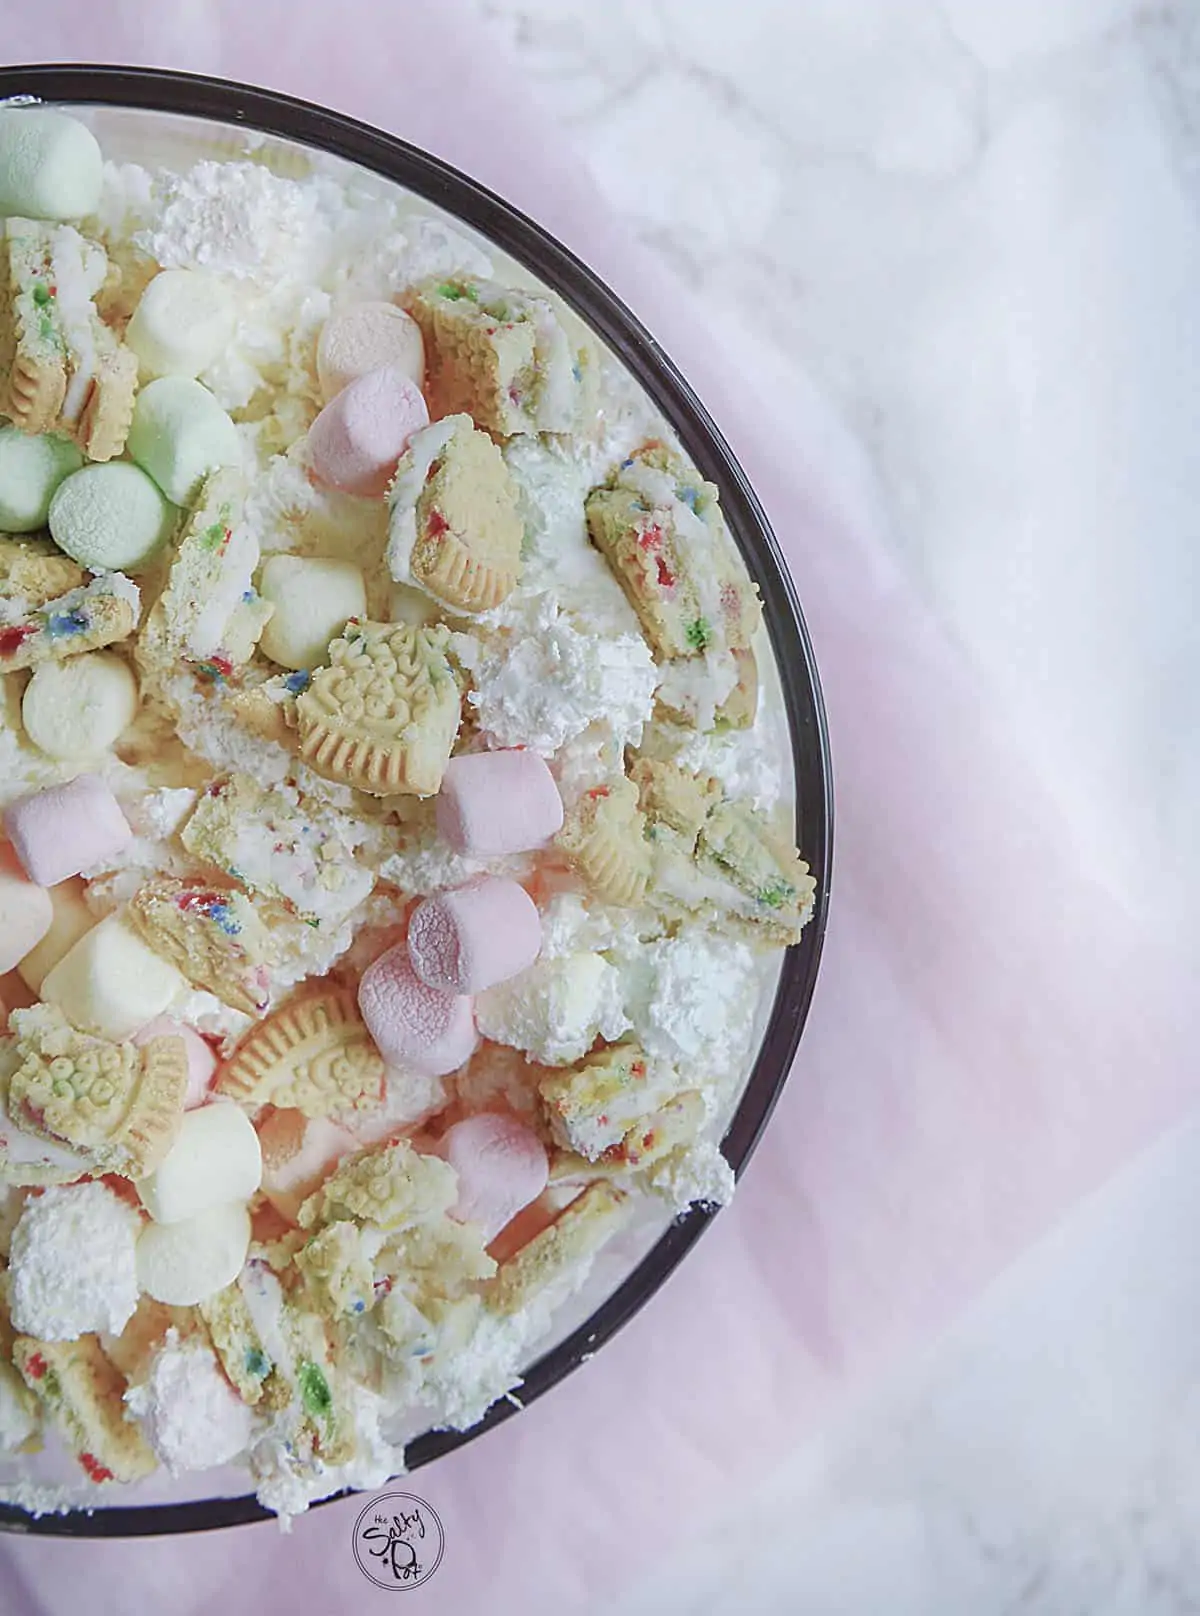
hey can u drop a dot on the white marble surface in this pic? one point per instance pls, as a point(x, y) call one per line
point(977, 224)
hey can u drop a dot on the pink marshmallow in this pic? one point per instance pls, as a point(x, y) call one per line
point(356, 441)
point(501, 1166)
point(470, 939)
point(414, 1025)
point(493, 803)
point(58, 832)
point(201, 1060)
point(25, 912)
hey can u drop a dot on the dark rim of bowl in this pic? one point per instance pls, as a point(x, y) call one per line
point(219, 100)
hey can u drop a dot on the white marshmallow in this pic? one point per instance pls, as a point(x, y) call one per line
point(78, 708)
point(187, 1262)
point(183, 322)
point(110, 983)
point(215, 1158)
point(179, 434)
point(363, 336)
point(312, 597)
point(50, 165)
point(70, 918)
point(26, 911)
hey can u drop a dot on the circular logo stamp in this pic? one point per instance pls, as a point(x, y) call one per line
point(398, 1541)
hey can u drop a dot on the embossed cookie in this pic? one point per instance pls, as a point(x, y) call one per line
point(82, 1393)
point(34, 570)
point(118, 1105)
point(384, 714)
point(81, 620)
point(454, 527)
point(773, 882)
point(61, 368)
point(592, 1105)
point(604, 837)
point(578, 1232)
point(212, 935)
point(313, 1055)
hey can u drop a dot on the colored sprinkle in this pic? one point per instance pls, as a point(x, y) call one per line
point(248, 596)
point(776, 893)
point(256, 1363)
point(699, 634)
point(64, 623)
point(650, 538)
point(689, 496)
point(36, 1366)
point(436, 524)
point(314, 1391)
point(577, 373)
point(41, 295)
point(297, 682)
point(215, 536)
point(94, 1468)
point(12, 639)
point(665, 576)
point(625, 464)
point(213, 906)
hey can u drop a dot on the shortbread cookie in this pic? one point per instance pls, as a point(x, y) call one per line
point(591, 1106)
point(103, 612)
point(384, 714)
point(773, 882)
point(501, 356)
point(659, 526)
point(604, 836)
point(115, 1104)
point(83, 1395)
point(277, 850)
point(576, 1235)
point(257, 1377)
point(454, 529)
point(212, 935)
point(209, 612)
point(61, 368)
point(35, 571)
point(314, 1055)
point(392, 1187)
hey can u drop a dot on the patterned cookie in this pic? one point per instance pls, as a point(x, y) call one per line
point(314, 1055)
point(82, 620)
point(454, 527)
point(384, 714)
point(83, 1395)
point(772, 880)
point(392, 1187)
point(604, 837)
point(115, 1104)
point(659, 526)
point(651, 1138)
point(501, 356)
point(578, 1232)
point(591, 1106)
point(35, 570)
point(675, 797)
point(212, 935)
point(209, 613)
point(61, 368)
point(254, 1374)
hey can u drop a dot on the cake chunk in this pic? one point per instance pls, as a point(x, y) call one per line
point(212, 935)
point(61, 368)
point(83, 1393)
point(594, 1104)
point(102, 612)
point(501, 355)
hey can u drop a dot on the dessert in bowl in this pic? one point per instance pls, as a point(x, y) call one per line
point(401, 898)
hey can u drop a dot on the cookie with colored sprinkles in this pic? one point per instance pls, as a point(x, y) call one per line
point(556, 1254)
point(82, 620)
point(313, 1055)
point(254, 1374)
point(34, 570)
point(648, 1141)
point(774, 883)
point(604, 837)
point(384, 714)
point(213, 935)
point(591, 1106)
point(83, 1393)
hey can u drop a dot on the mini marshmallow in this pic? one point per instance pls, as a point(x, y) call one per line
point(50, 165)
point(110, 983)
point(201, 1060)
point(492, 803)
point(215, 1158)
point(179, 434)
point(183, 322)
point(414, 1025)
point(78, 708)
point(70, 920)
point(184, 1263)
point(312, 597)
point(31, 468)
point(360, 338)
point(62, 830)
point(475, 936)
point(358, 438)
point(26, 912)
point(501, 1165)
point(110, 518)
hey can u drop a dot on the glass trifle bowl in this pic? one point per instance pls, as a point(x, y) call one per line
point(562, 533)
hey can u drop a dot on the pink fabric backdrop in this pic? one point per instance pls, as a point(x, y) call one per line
point(995, 1030)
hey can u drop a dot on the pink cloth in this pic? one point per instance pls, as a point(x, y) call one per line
point(996, 1028)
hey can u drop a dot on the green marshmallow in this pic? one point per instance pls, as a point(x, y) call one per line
point(111, 518)
point(50, 165)
point(180, 434)
point(30, 470)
